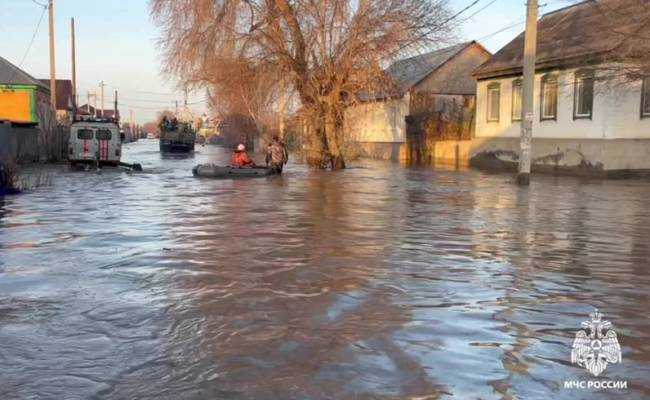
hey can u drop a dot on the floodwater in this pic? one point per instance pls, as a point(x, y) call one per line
point(377, 282)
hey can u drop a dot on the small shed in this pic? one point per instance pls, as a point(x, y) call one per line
point(21, 98)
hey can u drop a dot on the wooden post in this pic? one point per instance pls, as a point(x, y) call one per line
point(131, 126)
point(101, 85)
point(74, 66)
point(50, 6)
point(528, 89)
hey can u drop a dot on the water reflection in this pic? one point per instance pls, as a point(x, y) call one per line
point(372, 283)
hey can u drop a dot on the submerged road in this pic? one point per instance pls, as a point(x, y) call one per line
point(376, 282)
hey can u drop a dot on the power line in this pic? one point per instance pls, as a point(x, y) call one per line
point(29, 47)
point(501, 30)
point(520, 22)
point(480, 9)
point(147, 100)
point(147, 107)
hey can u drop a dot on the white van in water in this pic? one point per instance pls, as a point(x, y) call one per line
point(95, 141)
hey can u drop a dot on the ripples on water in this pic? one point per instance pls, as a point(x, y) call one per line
point(376, 282)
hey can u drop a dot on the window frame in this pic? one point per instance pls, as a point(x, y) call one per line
point(103, 131)
point(92, 134)
point(517, 83)
point(583, 75)
point(645, 97)
point(491, 87)
point(543, 83)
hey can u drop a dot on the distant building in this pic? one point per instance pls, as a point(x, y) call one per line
point(22, 100)
point(87, 109)
point(588, 117)
point(65, 101)
point(425, 83)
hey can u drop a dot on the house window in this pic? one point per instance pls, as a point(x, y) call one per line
point(493, 100)
point(549, 98)
point(645, 98)
point(516, 100)
point(583, 95)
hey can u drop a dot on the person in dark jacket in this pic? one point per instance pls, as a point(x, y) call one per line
point(276, 155)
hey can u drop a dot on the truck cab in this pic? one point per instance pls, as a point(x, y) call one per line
point(95, 141)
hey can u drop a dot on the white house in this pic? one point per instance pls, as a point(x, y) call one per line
point(591, 115)
point(378, 124)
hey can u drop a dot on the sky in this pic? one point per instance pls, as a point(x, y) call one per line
point(116, 43)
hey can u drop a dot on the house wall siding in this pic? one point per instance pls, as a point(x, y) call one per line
point(615, 115)
point(615, 138)
point(378, 121)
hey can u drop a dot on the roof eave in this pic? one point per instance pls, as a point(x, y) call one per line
point(541, 66)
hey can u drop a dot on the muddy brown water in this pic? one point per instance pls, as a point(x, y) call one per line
point(377, 282)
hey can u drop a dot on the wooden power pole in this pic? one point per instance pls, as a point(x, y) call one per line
point(102, 85)
point(50, 6)
point(528, 89)
point(74, 66)
point(131, 125)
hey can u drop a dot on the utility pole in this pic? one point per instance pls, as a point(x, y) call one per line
point(115, 106)
point(176, 110)
point(50, 6)
point(74, 66)
point(131, 129)
point(102, 85)
point(528, 88)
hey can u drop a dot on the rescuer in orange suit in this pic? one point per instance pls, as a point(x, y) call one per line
point(240, 158)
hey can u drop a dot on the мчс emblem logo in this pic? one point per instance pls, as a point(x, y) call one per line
point(593, 350)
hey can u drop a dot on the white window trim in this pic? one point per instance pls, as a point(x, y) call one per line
point(582, 77)
point(543, 83)
point(516, 117)
point(493, 87)
point(645, 100)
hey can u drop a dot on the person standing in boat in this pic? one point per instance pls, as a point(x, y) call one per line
point(276, 155)
point(240, 158)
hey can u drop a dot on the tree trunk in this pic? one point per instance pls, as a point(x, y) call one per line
point(315, 147)
point(333, 131)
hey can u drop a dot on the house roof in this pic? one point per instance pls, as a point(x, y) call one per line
point(408, 72)
point(12, 75)
point(576, 35)
point(64, 98)
point(108, 113)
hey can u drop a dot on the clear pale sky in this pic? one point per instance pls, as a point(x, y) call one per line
point(116, 42)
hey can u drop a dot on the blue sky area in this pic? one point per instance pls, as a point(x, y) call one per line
point(116, 42)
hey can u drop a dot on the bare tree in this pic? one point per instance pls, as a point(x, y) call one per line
point(328, 50)
point(54, 134)
point(246, 94)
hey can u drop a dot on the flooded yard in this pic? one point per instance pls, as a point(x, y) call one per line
point(377, 282)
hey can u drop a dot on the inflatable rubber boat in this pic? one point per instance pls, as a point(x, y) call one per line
point(225, 172)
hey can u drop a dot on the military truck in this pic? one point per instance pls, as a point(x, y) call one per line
point(177, 137)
